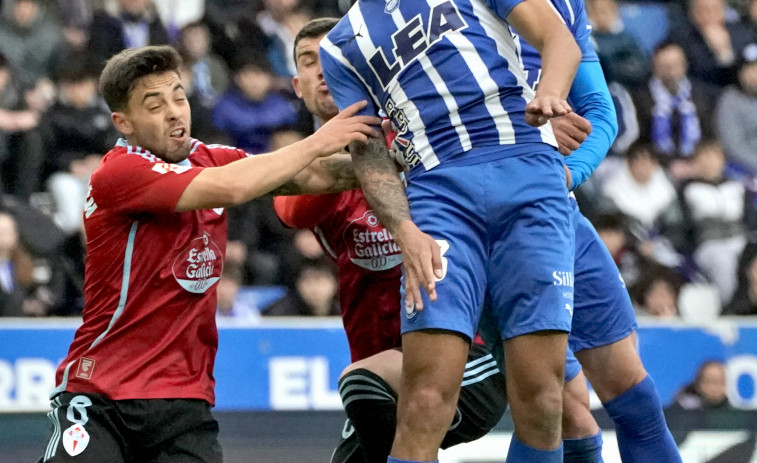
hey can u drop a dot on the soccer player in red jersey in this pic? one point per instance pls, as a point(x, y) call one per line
point(137, 383)
point(369, 261)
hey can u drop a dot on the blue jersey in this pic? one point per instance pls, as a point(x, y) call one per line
point(589, 95)
point(447, 73)
point(573, 14)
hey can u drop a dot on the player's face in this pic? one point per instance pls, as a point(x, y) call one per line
point(309, 83)
point(157, 117)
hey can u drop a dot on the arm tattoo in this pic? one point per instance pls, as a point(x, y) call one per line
point(290, 188)
point(380, 181)
point(343, 173)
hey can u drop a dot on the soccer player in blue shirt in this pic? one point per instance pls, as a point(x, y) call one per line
point(488, 194)
point(603, 330)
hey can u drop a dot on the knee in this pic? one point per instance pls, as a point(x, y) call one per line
point(432, 403)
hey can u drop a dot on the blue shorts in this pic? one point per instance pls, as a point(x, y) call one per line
point(603, 313)
point(505, 230)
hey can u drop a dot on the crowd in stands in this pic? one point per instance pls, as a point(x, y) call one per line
point(675, 201)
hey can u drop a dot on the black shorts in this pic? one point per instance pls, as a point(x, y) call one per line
point(482, 402)
point(90, 428)
point(483, 399)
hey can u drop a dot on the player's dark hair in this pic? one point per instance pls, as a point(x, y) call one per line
point(124, 70)
point(312, 30)
point(3, 61)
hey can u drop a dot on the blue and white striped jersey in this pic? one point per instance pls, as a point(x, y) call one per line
point(446, 72)
point(573, 14)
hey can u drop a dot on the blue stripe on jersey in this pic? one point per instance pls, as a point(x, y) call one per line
point(445, 71)
point(573, 14)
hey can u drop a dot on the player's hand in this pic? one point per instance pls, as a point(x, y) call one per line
point(345, 128)
point(545, 107)
point(570, 131)
point(422, 258)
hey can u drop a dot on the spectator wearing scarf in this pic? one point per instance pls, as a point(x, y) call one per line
point(674, 111)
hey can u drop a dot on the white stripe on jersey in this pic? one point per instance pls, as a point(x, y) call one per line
point(557, 12)
point(486, 83)
point(415, 123)
point(441, 88)
point(501, 36)
point(572, 13)
point(336, 53)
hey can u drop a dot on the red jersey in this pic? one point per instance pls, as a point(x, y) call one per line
point(150, 296)
point(368, 261)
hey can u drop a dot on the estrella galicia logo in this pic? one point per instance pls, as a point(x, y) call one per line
point(391, 5)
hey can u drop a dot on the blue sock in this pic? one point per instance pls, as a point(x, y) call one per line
point(585, 450)
point(397, 460)
point(643, 435)
point(520, 452)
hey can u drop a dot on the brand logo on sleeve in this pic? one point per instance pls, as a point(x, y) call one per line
point(164, 168)
point(198, 267)
point(86, 368)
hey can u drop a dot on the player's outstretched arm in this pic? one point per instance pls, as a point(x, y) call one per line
point(332, 174)
point(535, 21)
point(385, 192)
point(246, 179)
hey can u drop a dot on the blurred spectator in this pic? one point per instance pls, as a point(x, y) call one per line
point(231, 304)
point(641, 190)
point(16, 268)
point(714, 215)
point(280, 20)
point(250, 110)
point(209, 72)
point(126, 24)
point(711, 44)
point(20, 147)
point(176, 14)
point(621, 56)
point(28, 41)
point(735, 117)
point(656, 292)
point(707, 391)
point(202, 112)
point(314, 292)
point(628, 123)
point(674, 111)
point(744, 301)
point(76, 131)
point(258, 242)
point(749, 20)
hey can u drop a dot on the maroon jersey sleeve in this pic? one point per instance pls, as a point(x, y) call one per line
point(131, 183)
point(304, 211)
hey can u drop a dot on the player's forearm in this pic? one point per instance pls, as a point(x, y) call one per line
point(560, 58)
point(590, 98)
point(381, 182)
point(247, 179)
point(332, 174)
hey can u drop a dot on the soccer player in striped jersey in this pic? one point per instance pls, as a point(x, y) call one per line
point(490, 215)
point(603, 330)
point(369, 261)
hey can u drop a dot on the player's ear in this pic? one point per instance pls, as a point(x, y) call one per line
point(296, 85)
point(122, 123)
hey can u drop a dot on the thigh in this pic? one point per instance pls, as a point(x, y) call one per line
point(530, 267)
point(443, 205)
point(85, 430)
point(483, 399)
point(182, 431)
point(603, 313)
